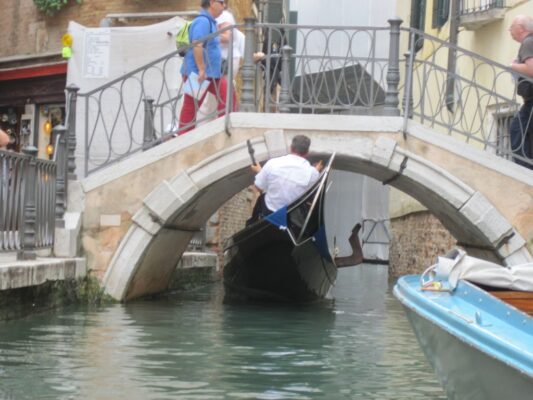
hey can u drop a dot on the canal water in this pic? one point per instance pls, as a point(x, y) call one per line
point(194, 345)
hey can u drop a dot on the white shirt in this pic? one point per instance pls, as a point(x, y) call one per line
point(284, 179)
point(238, 37)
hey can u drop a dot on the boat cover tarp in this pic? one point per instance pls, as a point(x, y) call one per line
point(457, 265)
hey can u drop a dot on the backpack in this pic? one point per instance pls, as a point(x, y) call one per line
point(182, 37)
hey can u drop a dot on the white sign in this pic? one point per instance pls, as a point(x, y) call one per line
point(96, 58)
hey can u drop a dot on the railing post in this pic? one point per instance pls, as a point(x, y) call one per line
point(408, 87)
point(393, 73)
point(148, 136)
point(62, 159)
point(72, 91)
point(28, 228)
point(284, 94)
point(230, 87)
point(248, 67)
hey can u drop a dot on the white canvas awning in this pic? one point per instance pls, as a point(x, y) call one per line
point(457, 265)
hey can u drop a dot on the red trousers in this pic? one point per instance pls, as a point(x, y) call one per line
point(218, 87)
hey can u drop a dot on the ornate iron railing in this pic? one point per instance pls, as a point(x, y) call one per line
point(474, 102)
point(13, 168)
point(316, 69)
point(476, 6)
point(327, 69)
point(27, 202)
point(138, 110)
point(45, 203)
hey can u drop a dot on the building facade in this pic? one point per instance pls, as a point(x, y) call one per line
point(32, 70)
point(481, 27)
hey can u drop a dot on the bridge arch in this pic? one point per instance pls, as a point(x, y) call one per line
point(167, 217)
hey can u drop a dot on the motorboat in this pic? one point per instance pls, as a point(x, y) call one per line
point(473, 320)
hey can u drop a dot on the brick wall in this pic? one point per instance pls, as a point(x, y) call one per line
point(27, 31)
point(229, 219)
point(417, 240)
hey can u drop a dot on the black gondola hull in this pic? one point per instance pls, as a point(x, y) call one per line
point(263, 263)
point(284, 256)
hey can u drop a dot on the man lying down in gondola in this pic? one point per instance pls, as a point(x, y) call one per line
point(283, 179)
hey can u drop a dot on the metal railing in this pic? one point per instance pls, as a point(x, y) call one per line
point(474, 102)
point(140, 109)
point(307, 69)
point(322, 69)
point(27, 202)
point(376, 231)
point(316, 69)
point(476, 6)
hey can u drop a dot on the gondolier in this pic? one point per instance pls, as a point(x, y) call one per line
point(283, 179)
point(285, 256)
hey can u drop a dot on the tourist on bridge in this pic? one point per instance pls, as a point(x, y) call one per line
point(203, 61)
point(521, 129)
point(283, 179)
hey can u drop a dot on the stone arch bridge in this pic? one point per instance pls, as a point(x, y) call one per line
point(157, 199)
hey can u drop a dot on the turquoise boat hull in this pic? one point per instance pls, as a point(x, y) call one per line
point(479, 346)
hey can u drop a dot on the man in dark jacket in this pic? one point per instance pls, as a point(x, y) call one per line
point(521, 129)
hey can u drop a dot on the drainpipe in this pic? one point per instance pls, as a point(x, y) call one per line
point(452, 55)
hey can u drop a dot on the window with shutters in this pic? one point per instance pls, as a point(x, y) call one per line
point(418, 20)
point(441, 12)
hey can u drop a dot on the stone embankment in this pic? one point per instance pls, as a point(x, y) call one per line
point(30, 287)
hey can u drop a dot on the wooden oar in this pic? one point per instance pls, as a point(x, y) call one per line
point(251, 151)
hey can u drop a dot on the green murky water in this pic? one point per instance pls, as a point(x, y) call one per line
point(357, 345)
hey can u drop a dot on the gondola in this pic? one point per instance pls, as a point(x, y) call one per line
point(285, 256)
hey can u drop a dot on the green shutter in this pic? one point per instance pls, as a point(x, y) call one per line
point(441, 12)
point(418, 20)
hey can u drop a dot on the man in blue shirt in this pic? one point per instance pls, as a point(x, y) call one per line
point(205, 60)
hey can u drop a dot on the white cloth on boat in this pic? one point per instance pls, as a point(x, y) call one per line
point(284, 179)
point(459, 266)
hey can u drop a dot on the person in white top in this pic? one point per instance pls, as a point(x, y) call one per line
point(224, 20)
point(284, 179)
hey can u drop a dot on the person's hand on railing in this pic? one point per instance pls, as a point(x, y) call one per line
point(258, 56)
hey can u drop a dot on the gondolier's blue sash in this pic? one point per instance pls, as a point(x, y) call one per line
point(278, 218)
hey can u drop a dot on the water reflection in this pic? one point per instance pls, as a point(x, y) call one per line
point(195, 346)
